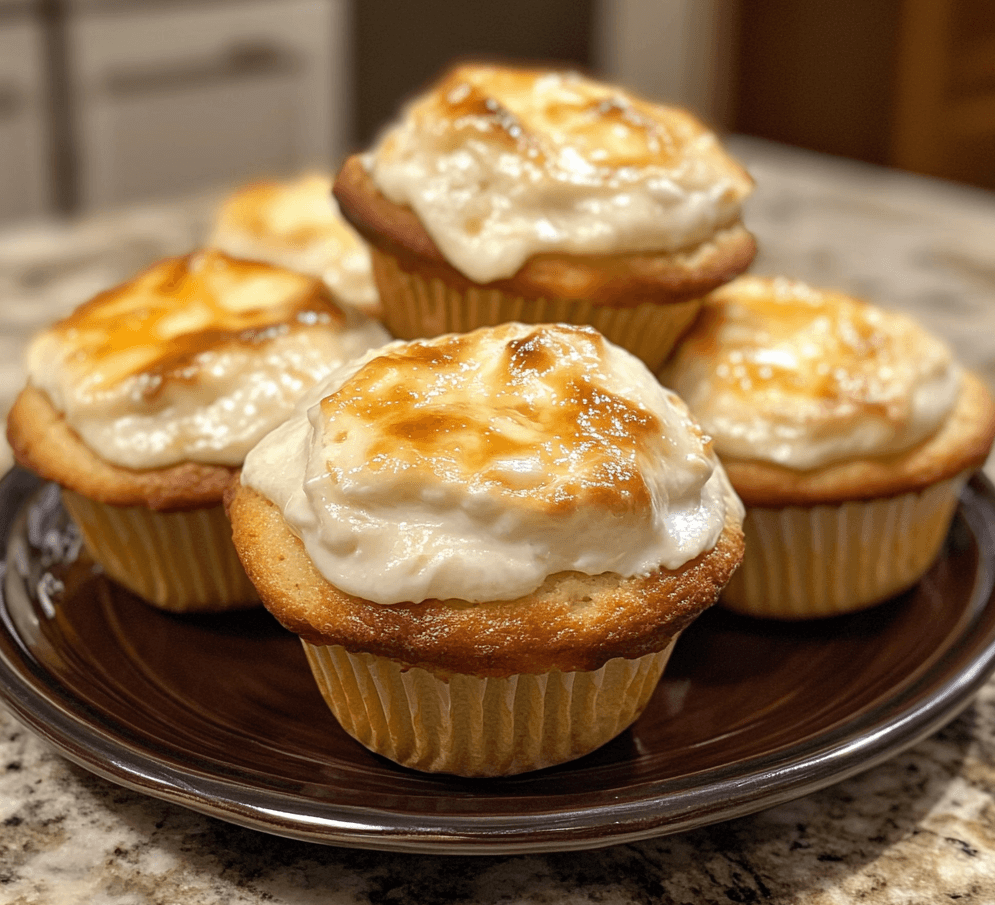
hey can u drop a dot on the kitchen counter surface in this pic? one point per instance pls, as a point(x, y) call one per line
point(917, 828)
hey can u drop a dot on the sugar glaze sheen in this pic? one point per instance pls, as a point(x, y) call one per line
point(195, 359)
point(477, 465)
point(778, 371)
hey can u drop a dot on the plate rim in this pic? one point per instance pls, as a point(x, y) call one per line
point(732, 790)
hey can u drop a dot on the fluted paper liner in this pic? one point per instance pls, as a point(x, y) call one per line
point(809, 562)
point(177, 561)
point(415, 308)
point(481, 726)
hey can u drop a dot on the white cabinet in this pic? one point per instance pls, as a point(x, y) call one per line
point(25, 161)
point(172, 98)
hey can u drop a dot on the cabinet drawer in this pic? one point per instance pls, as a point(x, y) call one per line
point(25, 165)
point(173, 99)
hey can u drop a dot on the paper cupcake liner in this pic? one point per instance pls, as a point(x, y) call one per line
point(179, 561)
point(414, 307)
point(474, 726)
point(804, 563)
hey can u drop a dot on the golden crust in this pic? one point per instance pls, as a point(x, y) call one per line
point(962, 444)
point(572, 622)
point(44, 443)
point(622, 280)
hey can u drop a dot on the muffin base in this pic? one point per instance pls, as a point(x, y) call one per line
point(477, 726)
point(826, 560)
point(43, 442)
point(573, 622)
point(421, 306)
point(183, 562)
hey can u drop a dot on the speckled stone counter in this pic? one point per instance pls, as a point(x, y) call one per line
point(918, 828)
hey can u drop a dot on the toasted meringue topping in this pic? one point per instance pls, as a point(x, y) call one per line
point(194, 359)
point(475, 466)
point(778, 371)
point(502, 164)
point(297, 225)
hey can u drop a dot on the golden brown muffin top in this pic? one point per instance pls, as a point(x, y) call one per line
point(157, 323)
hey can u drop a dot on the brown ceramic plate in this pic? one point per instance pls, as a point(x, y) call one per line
point(221, 714)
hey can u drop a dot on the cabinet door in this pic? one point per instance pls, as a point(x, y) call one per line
point(173, 99)
point(25, 165)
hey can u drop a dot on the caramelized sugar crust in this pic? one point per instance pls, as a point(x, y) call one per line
point(159, 322)
point(43, 442)
point(621, 280)
point(612, 127)
point(961, 444)
point(250, 210)
point(572, 622)
point(405, 398)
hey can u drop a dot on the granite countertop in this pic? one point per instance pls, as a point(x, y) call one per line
point(917, 828)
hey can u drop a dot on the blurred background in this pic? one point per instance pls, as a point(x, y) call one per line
point(106, 103)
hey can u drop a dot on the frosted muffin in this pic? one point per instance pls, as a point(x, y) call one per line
point(143, 402)
point(296, 224)
point(543, 196)
point(847, 430)
point(488, 543)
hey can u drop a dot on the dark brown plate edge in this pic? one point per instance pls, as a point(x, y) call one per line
point(662, 808)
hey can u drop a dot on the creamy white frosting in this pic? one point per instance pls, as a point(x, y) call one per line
point(780, 372)
point(475, 466)
point(195, 359)
point(297, 224)
point(502, 164)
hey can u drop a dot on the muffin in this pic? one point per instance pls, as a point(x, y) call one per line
point(544, 196)
point(296, 224)
point(488, 543)
point(847, 431)
point(143, 402)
